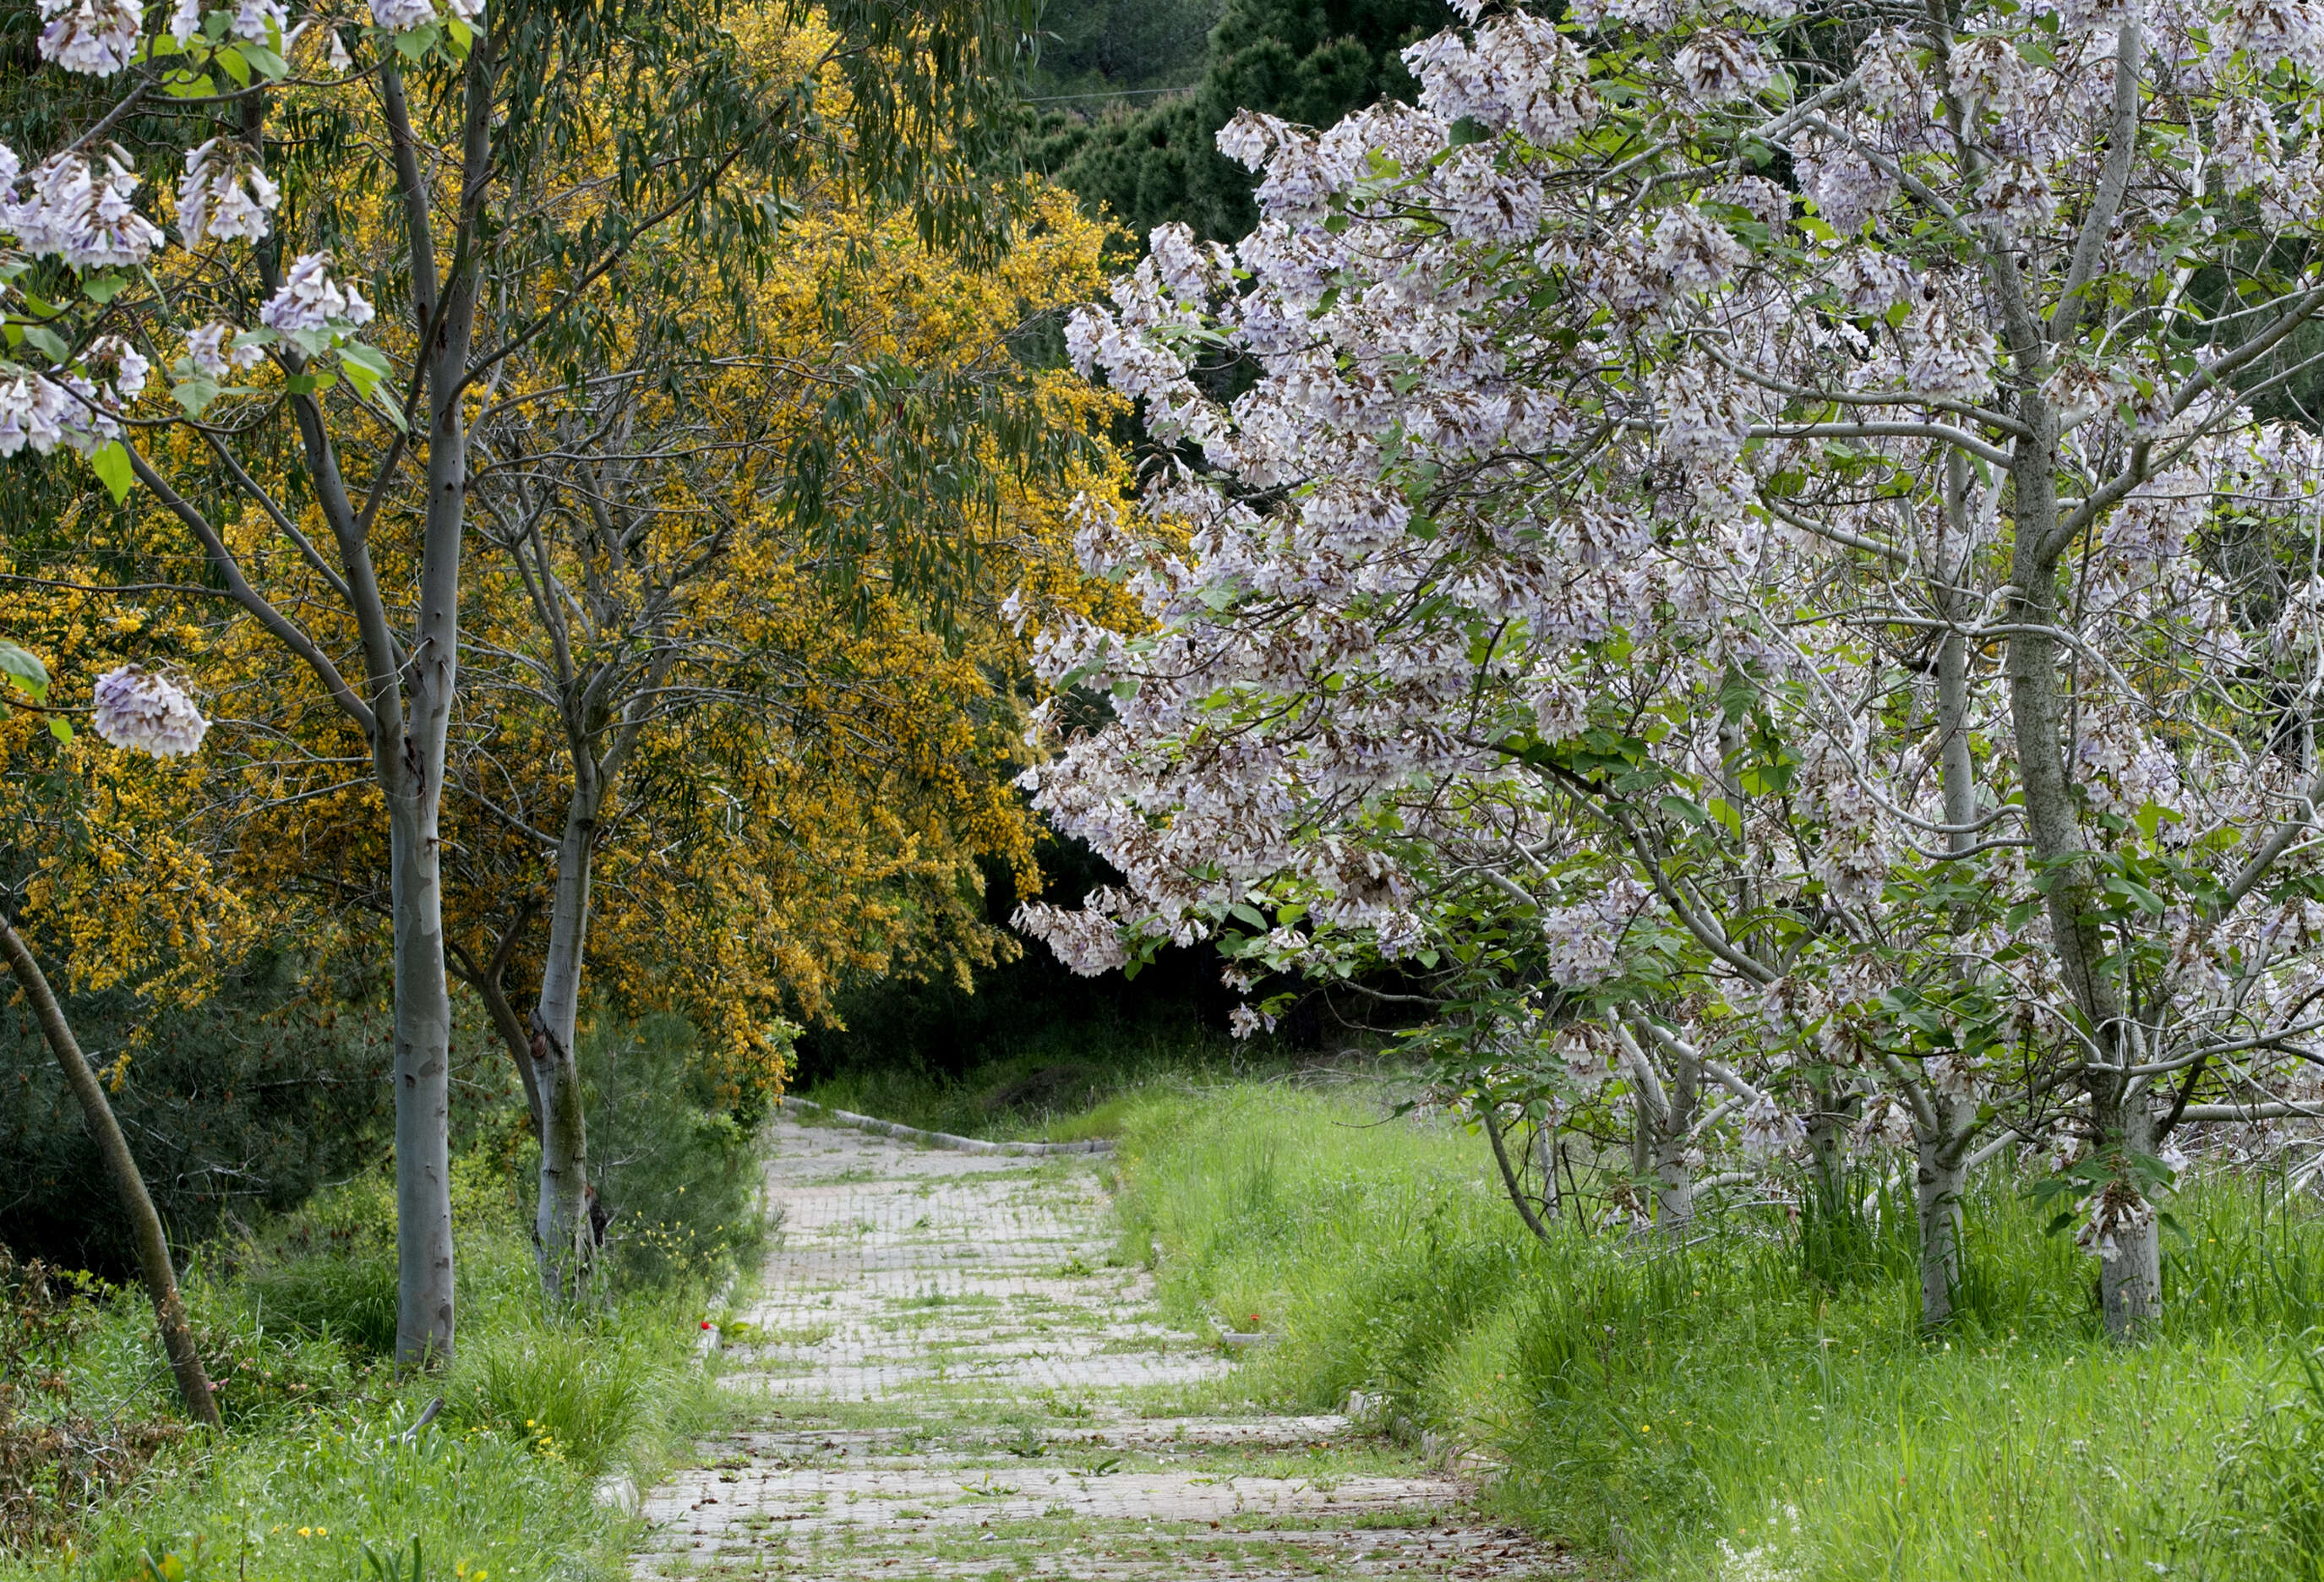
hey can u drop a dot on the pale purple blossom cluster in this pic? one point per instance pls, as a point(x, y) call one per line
point(145, 711)
point(311, 301)
point(94, 37)
point(223, 195)
point(76, 207)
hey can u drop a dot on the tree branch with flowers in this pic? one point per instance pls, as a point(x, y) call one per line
point(1814, 470)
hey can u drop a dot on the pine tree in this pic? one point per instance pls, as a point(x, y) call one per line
point(1310, 61)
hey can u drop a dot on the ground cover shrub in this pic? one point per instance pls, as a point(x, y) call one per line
point(1760, 1400)
point(56, 1456)
point(574, 1392)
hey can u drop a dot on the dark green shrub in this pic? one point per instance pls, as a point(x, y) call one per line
point(238, 1107)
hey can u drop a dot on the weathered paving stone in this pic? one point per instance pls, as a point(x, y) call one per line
point(957, 1385)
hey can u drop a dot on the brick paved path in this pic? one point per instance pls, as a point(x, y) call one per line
point(959, 1384)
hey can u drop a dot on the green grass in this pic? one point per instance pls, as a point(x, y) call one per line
point(312, 1471)
point(1062, 1090)
point(1739, 1408)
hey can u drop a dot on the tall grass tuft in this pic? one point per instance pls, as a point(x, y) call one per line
point(573, 1393)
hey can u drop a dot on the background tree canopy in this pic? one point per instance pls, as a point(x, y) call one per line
point(1309, 61)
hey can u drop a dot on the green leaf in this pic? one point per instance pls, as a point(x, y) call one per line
point(111, 463)
point(414, 43)
point(230, 60)
point(61, 728)
point(195, 393)
point(369, 371)
point(104, 288)
point(270, 65)
point(310, 384)
point(41, 338)
point(1680, 807)
point(23, 667)
point(2146, 900)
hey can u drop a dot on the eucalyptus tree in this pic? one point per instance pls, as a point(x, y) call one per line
point(480, 168)
point(717, 551)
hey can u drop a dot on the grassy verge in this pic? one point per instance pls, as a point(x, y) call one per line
point(1734, 1409)
point(1060, 1091)
point(321, 1470)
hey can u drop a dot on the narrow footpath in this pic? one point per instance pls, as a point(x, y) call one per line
point(958, 1383)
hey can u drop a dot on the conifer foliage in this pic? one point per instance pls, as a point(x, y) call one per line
point(1307, 61)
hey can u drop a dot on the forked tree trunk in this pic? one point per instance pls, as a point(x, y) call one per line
point(1667, 1113)
point(145, 1224)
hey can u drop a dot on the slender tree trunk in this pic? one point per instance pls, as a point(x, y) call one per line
point(513, 1034)
point(1827, 1140)
point(1940, 1173)
point(144, 1223)
point(561, 1230)
point(1673, 1169)
point(1548, 1149)
point(423, 1092)
point(2131, 1286)
point(1941, 1154)
point(411, 762)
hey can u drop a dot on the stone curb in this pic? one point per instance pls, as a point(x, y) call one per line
point(864, 1123)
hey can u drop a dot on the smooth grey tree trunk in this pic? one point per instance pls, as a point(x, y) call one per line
point(1944, 1127)
point(564, 1238)
point(2130, 1282)
point(424, 1317)
point(1548, 1154)
point(128, 1183)
point(1665, 1114)
point(1827, 1140)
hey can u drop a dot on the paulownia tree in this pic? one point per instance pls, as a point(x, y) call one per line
point(1753, 526)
